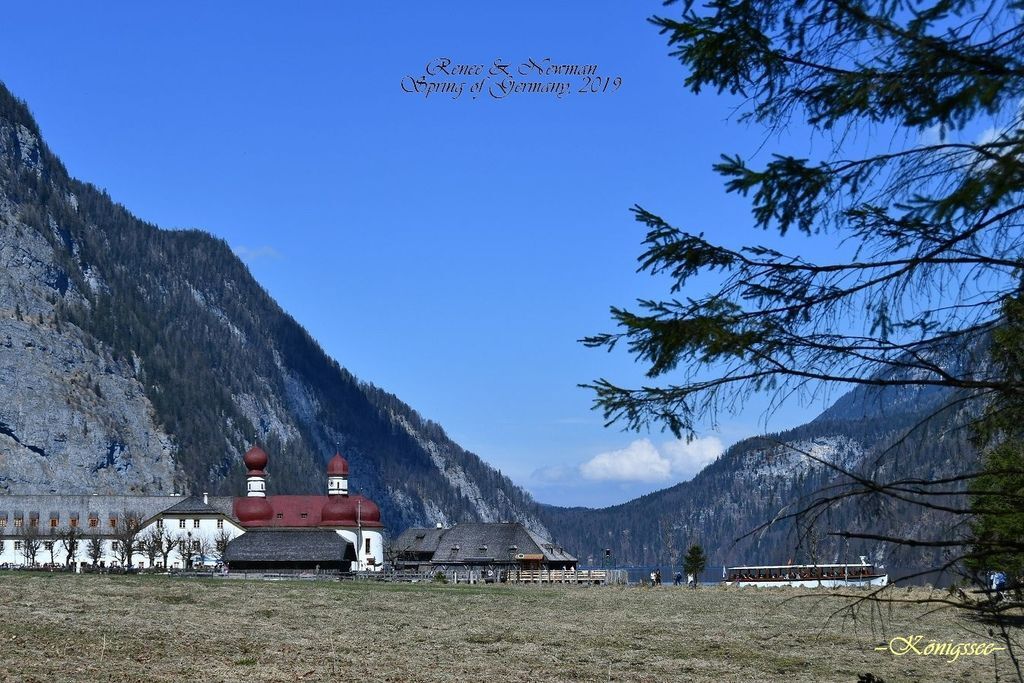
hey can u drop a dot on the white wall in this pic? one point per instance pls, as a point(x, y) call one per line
point(207, 528)
point(358, 540)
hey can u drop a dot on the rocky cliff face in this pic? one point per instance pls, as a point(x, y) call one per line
point(145, 360)
point(72, 419)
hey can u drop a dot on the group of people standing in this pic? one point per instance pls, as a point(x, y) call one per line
point(677, 580)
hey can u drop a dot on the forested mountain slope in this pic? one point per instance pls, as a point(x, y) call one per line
point(880, 434)
point(140, 359)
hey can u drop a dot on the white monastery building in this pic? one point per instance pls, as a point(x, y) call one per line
point(336, 531)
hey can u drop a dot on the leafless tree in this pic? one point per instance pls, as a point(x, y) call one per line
point(126, 535)
point(51, 545)
point(220, 544)
point(30, 543)
point(186, 549)
point(151, 544)
point(202, 546)
point(94, 547)
point(70, 538)
point(168, 542)
point(392, 552)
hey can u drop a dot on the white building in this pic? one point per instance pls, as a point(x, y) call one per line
point(177, 531)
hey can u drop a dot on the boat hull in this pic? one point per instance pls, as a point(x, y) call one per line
point(852, 582)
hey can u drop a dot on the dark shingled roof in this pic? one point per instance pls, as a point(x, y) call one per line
point(193, 505)
point(292, 545)
point(419, 541)
point(481, 543)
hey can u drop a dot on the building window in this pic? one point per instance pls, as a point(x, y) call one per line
point(367, 546)
point(220, 523)
point(114, 545)
point(3, 522)
point(54, 522)
point(17, 521)
point(160, 523)
point(73, 522)
point(195, 523)
point(48, 545)
point(181, 524)
point(17, 545)
point(33, 522)
point(113, 522)
point(93, 522)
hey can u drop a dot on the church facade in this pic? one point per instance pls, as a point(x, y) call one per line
point(329, 532)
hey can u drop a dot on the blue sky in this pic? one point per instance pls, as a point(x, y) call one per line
point(451, 251)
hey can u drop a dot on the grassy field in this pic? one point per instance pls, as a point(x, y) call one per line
point(99, 628)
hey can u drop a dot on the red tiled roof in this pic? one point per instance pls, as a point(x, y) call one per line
point(289, 511)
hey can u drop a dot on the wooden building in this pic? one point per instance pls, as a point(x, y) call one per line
point(488, 547)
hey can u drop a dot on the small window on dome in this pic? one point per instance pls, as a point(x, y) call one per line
point(304, 515)
point(280, 515)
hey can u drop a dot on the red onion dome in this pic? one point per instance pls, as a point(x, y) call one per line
point(337, 466)
point(253, 511)
point(255, 459)
point(338, 511)
point(366, 510)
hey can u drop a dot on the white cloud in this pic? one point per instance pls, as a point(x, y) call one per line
point(639, 461)
point(252, 254)
point(645, 462)
point(690, 458)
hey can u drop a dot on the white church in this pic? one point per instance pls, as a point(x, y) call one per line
point(254, 532)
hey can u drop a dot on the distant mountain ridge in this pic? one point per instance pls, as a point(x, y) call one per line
point(765, 478)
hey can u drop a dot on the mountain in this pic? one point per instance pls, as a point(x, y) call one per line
point(864, 432)
point(136, 359)
point(147, 360)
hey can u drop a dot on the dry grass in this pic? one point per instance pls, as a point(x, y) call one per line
point(96, 628)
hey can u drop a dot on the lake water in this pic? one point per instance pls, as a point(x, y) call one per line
point(713, 575)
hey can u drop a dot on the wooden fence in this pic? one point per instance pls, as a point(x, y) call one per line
point(591, 576)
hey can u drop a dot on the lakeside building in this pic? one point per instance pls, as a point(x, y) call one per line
point(479, 546)
point(336, 531)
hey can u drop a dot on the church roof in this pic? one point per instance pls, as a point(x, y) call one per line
point(289, 545)
point(294, 511)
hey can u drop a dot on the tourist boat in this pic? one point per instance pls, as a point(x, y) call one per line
point(862, 574)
